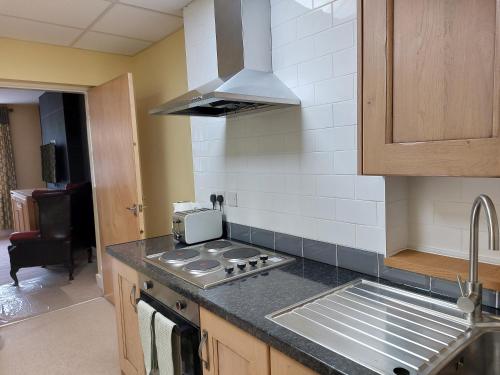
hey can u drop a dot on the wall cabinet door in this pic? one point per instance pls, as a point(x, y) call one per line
point(126, 287)
point(429, 78)
point(229, 350)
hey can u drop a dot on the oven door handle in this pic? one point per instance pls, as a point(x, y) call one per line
point(204, 342)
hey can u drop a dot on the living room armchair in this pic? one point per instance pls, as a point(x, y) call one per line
point(51, 244)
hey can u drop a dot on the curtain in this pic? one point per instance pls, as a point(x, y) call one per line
point(7, 171)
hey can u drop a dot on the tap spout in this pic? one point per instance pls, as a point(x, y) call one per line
point(484, 202)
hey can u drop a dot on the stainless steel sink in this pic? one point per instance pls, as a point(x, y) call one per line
point(480, 355)
point(393, 331)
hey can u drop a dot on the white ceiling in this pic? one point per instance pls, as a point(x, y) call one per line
point(117, 26)
point(15, 96)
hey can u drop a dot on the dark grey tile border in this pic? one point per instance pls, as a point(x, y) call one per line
point(445, 287)
point(403, 277)
point(240, 232)
point(288, 244)
point(490, 298)
point(357, 260)
point(363, 261)
point(262, 237)
point(320, 251)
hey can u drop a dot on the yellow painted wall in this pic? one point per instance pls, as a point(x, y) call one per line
point(37, 62)
point(159, 74)
point(165, 141)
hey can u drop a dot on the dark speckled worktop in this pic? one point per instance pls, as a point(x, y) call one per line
point(246, 302)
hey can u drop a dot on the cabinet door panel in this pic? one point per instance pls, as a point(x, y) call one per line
point(444, 53)
point(126, 290)
point(228, 361)
point(284, 365)
point(231, 350)
point(430, 81)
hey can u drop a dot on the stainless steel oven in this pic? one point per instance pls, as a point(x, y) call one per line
point(185, 314)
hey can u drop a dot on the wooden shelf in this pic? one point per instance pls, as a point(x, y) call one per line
point(443, 267)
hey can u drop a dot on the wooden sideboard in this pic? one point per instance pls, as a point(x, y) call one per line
point(24, 210)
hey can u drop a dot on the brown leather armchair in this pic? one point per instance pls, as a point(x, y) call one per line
point(52, 243)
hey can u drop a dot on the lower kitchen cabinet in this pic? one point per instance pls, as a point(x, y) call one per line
point(126, 290)
point(229, 350)
point(226, 349)
point(284, 365)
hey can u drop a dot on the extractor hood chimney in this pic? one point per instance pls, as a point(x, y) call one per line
point(228, 52)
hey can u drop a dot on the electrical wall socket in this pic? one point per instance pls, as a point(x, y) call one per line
point(231, 199)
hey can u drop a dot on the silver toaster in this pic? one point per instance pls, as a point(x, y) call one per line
point(198, 225)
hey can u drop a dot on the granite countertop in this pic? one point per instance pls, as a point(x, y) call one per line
point(246, 302)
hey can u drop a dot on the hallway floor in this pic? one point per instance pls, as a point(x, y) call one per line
point(80, 339)
point(44, 289)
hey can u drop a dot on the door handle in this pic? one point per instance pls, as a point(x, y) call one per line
point(132, 297)
point(204, 342)
point(134, 209)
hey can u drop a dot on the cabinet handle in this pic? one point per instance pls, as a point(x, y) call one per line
point(203, 342)
point(132, 297)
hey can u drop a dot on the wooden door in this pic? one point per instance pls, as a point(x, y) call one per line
point(429, 77)
point(117, 175)
point(126, 281)
point(230, 350)
point(284, 365)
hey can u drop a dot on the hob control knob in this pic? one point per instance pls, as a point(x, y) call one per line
point(229, 269)
point(180, 305)
point(241, 265)
point(264, 258)
point(148, 284)
point(253, 262)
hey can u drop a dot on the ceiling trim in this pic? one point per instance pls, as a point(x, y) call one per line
point(45, 86)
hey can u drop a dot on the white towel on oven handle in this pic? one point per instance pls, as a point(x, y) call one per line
point(144, 314)
point(164, 328)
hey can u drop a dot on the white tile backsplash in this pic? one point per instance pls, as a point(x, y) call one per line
point(438, 214)
point(294, 170)
point(315, 70)
point(335, 186)
point(345, 113)
point(334, 90)
point(344, 62)
point(286, 10)
point(356, 211)
point(315, 21)
point(343, 11)
point(335, 39)
point(345, 162)
point(284, 33)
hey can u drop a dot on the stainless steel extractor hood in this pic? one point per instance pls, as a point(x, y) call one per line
point(228, 53)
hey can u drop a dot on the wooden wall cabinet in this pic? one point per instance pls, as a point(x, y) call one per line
point(24, 211)
point(429, 87)
point(126, 290)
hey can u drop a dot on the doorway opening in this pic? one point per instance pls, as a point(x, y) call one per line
point(49, 192)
